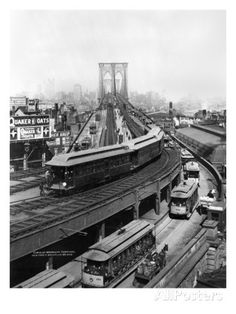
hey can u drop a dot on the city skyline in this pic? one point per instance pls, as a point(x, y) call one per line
point(176, 53)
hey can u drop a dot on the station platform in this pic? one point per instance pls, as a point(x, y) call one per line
point(211, 128)
point(201, 136)
point(207, 145)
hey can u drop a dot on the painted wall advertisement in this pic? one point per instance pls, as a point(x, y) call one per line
point(29, 127)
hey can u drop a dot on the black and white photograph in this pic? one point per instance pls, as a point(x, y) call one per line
point(117, 153)
point(118, 149)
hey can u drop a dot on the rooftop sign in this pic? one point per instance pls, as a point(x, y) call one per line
point(29, 120)
point(29, 127)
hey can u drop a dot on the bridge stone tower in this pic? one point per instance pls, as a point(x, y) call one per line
point(113, 70)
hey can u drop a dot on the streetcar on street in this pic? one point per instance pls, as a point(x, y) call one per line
point(186, 156)
point(192, 171)
point(184, 199)
point(108, 260)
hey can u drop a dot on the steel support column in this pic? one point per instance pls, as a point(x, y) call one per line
point(136, 205)
point(101, 88)
point(101, 231)
point(125, 81)
point(158, 199)
point(49, 264)
point(25, 162)
point(43, 159)
point(136, 210)
point(168, 192)
point(113, 79)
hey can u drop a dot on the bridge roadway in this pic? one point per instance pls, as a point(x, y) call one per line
point(110, 135)
point(135, 128)
point(56, 220)
point(139, 122)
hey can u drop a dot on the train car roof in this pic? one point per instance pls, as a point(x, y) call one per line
point(118, 241)
point(137, 144)
point(186, 153)
point(151, 137)
point(74, 158)
point(184, 189)
point(47, 279)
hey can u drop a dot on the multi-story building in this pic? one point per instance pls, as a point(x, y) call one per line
point(20, 101)
point(77, 93)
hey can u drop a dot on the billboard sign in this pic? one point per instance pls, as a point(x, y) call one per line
point(18, 121)
point(29, 127)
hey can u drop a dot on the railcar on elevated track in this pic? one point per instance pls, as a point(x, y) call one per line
point(77, 170)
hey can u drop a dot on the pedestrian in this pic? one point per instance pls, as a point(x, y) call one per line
point(41, 188)
point(48, 177)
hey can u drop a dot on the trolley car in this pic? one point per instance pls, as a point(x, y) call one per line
point(77, 170)
point(192, 170)
point(166, 140)
point(184, 199)
point(186, 156)
point(86, 143)
point(106, 261)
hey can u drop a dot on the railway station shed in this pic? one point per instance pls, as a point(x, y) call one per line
point(208, 144)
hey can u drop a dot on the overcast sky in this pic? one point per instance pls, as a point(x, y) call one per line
point(176, 53)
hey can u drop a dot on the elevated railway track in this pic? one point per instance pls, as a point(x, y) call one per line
point(45, 212)
point(108, 137)
point(46, 216)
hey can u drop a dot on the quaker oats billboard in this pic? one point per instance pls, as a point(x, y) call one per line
point(29, 127)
